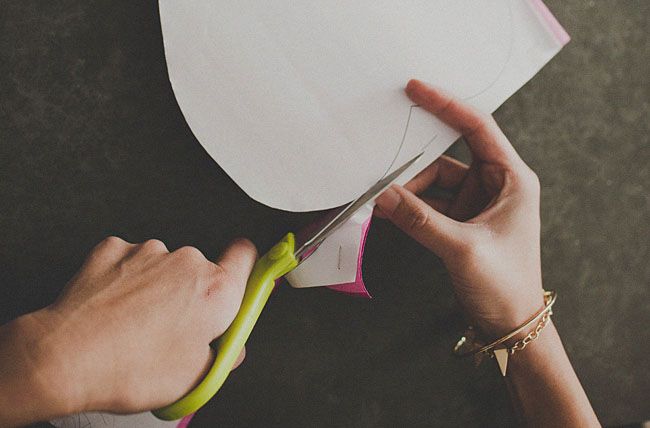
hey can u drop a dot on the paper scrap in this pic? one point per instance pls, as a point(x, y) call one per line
point(337, 261)
point(110, 420)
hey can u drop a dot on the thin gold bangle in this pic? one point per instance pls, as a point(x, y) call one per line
point(549, 299)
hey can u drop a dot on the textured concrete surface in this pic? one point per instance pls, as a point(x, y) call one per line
point(92, 144)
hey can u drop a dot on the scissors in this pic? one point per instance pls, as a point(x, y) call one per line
point(281, 259)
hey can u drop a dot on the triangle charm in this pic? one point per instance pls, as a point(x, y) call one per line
point(501, 355)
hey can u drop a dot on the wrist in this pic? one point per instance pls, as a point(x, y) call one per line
point(542, 351)
point(545, 385)
point(510, 315)
point(37, 375)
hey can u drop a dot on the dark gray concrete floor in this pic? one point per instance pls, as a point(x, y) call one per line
point(93, 143)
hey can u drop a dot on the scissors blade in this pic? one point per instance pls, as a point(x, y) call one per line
point(317, 238)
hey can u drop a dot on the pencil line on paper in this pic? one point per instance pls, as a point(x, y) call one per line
point(426, 146)
point(401, 144)
point(511, 43)
point(480, 92)
point(339, 263)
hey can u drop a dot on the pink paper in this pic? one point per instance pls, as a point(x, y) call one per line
point(185, 422)
point(553, 25)
point(357, 288)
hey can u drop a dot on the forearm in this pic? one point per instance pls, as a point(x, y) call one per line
point(31, 382)
point(544, 387)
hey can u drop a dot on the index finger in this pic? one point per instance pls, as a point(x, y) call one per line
point(484, 137)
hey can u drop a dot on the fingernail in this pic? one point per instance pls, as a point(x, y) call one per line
point(388, 201)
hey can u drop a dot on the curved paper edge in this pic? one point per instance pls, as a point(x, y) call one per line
point(358, 287)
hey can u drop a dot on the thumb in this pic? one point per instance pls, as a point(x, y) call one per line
point(232, 270)
point(238, 259)
point(420, 221)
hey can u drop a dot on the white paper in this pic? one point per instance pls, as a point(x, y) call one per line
point(301, 102)
point(109, 420)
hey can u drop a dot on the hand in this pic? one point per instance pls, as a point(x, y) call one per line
point(488, 233)
point(131, 331)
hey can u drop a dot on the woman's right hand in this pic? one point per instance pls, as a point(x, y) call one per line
point(488, 233)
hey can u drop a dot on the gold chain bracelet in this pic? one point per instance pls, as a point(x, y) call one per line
point(496, 349)
point(533, 335)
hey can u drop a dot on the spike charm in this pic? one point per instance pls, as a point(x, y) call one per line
point(501, 356)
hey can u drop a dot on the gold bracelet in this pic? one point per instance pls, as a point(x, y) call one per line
point(501, 353)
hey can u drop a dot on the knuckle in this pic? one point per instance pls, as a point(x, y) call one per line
point(113, 241)
point(154, 244)
point(106, 251)
point(110, 244)
point(191, 254)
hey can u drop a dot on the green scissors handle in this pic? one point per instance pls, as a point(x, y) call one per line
point(277, 262)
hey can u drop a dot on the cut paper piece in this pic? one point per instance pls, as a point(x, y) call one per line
point(337, 261)
point(257, 97)
point(358, 287)
point(109, 420)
